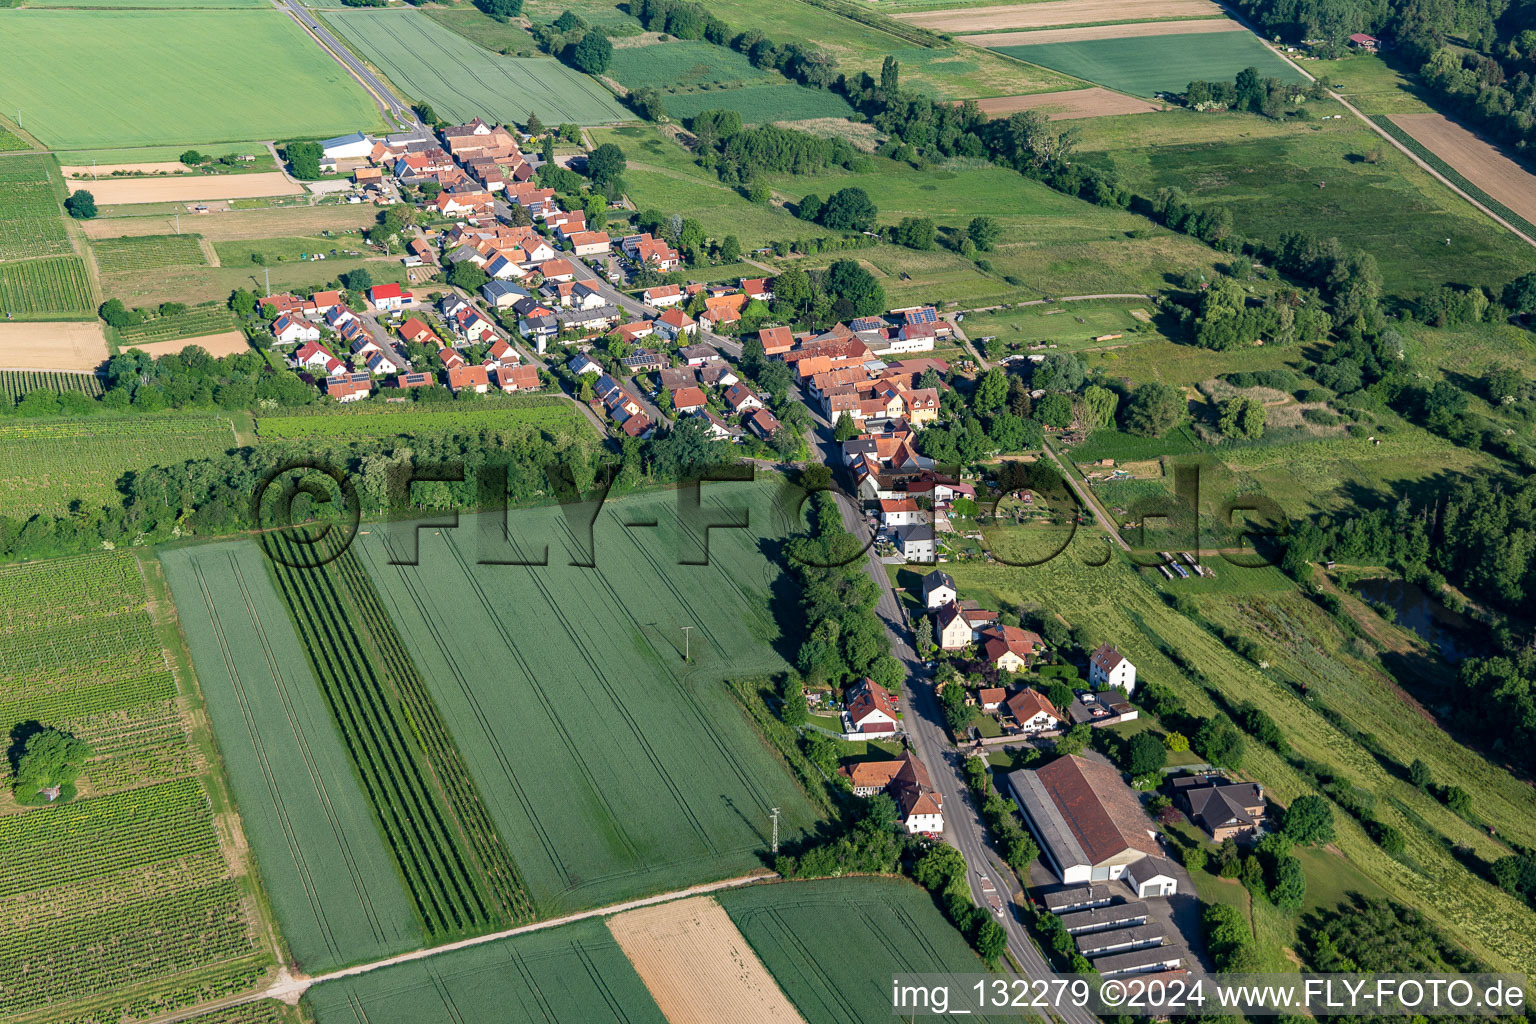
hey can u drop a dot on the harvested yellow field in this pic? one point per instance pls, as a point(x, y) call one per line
point(1057, 12)
point(1134, 30)
point(52, 346)
point(226, 344)
point(180, 188)
point(1481, 164)
point(1064, 106)
point(107, 170)
point(697, 966)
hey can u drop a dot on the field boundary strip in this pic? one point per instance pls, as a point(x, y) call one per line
point(1429, 156)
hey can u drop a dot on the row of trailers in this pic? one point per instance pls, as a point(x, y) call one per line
point(1174, 567)
point(1113, 932)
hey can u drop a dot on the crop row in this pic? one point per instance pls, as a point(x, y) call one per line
point(54, 285)
point(188, 989)
point(76, 702)
point(1460, 180)
point(87, 584)
point(147, 252)
point(50, 657)
point(104, 834)
point(153, 938)
point(557, 413)
point(16, 384)
point(194, 322)
point(415, 825)
point(140, 429)
point(432, 733)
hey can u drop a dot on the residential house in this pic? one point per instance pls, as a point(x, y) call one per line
point(501, 295)
point(776, 340)
point(315, 358)
point(382, 364)
point(1089, 824)
point(557, 270)
point(1109, 669)
point(582, 363)
point(517, 378)
point(503, 353)
point(590, 243)
point(540, 329)
point(900, 512)
point(386, 297)
point(642, 360)
point(635, 330)
point(1032, 713)
point(463, 204)
point(718, 428)
point(991, 697)
point(290, 330)
point(474, 378)
point(698, 355)
point(507, 265)
point(722, 310)
point(741, 399)
point(762, 423)
point(674, 324)
point(869, 710)
point(952, 629)
point(1365, 43)
point(717, 374)
point(451, 358)
point(916, 543)
point(906, 779)
point(321, 303)
point(672, 378)
point(688, 399)
point(599, 318)
point(277, 304)
point(1009, 648)
point(349, 387)
point(662, 296)
point(757, 289)
point(472, 326)
point(418, 333)
point(414, 380)
point(938, 589)
point(651, 251)
point(1226, 809)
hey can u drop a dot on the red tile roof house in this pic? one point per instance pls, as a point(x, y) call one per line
point(1032, 712)
point(472, 377)
point(688, 399)
point(762, 423)
point(1009, 648)
point(414, 330)
point(741, 399)
point(674, 323)
point(991, 697)
point(518, 378)
point(663, 295)
point(869, 711)
point(349, 388)
point(776, 340)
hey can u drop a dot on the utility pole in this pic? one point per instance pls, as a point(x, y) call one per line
point(687, 630)
point(178, 224)
point(775, 813)
point(269, 280)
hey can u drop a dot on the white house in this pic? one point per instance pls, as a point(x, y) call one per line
point(389, 297)
point(900, 512)
point(915, 542)
point(1109, 669)
point(938, 589)
point(1032, 712)
point(380, 365)
point(869, 710)
point(582, 363)
point(290, 330)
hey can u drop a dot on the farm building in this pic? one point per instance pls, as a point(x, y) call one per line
point(1089, 824)
point(1366, 43)
point(356, 146)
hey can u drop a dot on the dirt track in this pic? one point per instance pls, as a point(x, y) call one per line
point(227, 344)
point(1480, 163)
point(1064, 106)
point(1136, 30)
point(697, 966)
point(52, 346)
point(178, 188)
point(1056, 12)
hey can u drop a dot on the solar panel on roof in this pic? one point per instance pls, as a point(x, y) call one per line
point(926, 315)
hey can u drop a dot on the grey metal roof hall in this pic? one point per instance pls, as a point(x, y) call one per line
point(1041, 814)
